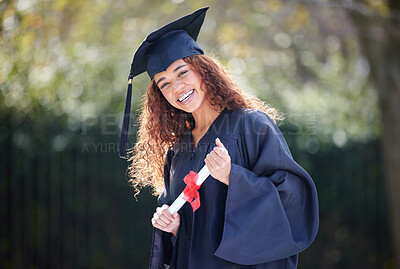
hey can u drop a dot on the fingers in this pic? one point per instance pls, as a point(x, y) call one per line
point(218, 162)
point(219, 143)
point(156, 222)
point(209, 165)
point(219, 156)
point(164, 221)
point(221, 148)
point(162, 218)
point(214, 157)
point(164, 213)
point(221, 152)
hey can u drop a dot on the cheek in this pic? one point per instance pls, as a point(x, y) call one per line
point(199, 83)
point(170, 99)
point(167, 96)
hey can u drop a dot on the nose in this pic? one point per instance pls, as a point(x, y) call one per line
point(177, 85)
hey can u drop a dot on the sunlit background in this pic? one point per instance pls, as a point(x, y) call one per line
point(65, 201)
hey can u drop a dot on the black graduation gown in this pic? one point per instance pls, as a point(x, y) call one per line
point(267, 215)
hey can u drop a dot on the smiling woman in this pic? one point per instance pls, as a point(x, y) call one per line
point(258, 207)
point(180, 85)
point(163, 123)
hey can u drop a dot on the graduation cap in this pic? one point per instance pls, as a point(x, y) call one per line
point(157, 52)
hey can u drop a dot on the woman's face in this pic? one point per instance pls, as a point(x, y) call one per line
point(181, 86)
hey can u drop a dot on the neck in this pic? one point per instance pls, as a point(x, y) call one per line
point(203, 119)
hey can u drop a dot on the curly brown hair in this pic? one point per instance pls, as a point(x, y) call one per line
point(161, 124)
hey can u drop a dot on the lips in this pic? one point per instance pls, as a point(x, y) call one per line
point(185, 96)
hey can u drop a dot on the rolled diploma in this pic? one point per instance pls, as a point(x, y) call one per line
point(179, 202)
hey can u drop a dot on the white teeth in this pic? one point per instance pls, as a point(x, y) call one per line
point(184, 97)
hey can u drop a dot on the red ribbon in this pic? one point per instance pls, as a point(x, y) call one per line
point(190, 192)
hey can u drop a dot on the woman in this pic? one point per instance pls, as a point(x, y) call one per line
point(259, 207)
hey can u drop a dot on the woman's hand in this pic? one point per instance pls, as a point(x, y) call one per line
point(164, 221)
point(218, 162)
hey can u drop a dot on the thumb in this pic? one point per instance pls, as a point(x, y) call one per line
point(219, 143)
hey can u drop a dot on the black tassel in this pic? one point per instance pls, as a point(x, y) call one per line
point(125, 123)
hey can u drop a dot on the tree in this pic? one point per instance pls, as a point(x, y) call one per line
point(379, 33)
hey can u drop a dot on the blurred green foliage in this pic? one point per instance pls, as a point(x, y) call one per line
point(71, 58)
point(63, 76)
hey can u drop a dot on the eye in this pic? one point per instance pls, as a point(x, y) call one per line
point(164, 85)
point(182, 73)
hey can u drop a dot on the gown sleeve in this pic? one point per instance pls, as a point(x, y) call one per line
point(163, 242)
point(271, 207)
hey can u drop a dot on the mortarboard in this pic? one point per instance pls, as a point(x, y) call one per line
point(159, 50)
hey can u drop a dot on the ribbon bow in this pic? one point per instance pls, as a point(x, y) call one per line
point(190, 192)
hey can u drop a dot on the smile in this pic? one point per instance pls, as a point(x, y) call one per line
point(185, 96)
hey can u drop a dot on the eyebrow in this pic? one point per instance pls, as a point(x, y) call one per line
point(176, 69)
